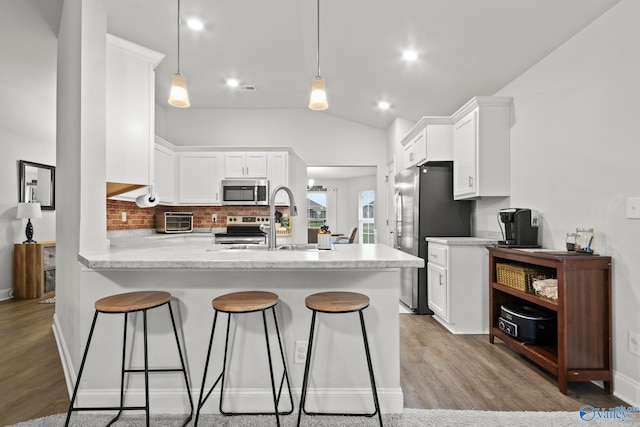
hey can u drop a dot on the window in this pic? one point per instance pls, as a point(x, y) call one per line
point(366, 213)
point(316, 208)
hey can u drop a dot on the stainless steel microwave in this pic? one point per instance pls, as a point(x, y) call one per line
point(245, 192)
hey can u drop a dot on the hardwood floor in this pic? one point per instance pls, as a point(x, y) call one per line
point(438, 370)
point(445, 371)
point(32, 383)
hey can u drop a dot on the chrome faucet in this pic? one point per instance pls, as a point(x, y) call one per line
point(271, 234)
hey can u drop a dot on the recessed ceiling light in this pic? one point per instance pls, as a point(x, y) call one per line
point(233, 83)
point(383, 105)
point(410, 55)
point(195, 24)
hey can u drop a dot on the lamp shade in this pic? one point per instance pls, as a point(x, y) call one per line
point(29, 210)
point(318, 99)
point(179, 97)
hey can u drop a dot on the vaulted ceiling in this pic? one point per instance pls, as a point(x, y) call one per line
point(465, 48)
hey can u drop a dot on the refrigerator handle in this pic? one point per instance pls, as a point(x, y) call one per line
point(398, 219)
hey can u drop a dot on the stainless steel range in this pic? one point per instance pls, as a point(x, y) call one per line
point(244, 230)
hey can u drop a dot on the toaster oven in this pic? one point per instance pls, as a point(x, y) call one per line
point(174, 222)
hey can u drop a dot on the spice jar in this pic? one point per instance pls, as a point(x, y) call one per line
point(584, 238)
point(571, 242)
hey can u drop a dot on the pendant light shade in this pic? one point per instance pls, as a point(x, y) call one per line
point(318, 99)
point(179, 96)
point(318, 95)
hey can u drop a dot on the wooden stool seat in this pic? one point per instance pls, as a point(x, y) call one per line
point(244, 302)
point(337, 302)
point(132, 301)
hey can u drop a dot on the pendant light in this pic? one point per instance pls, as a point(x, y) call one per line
point(318, 99)
point(179, 97)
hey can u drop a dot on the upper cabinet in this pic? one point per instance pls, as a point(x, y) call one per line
point(245, 165)
point(165, 172)
point(130, 81)
point(428, 141)
point(278, 174)
point(199, 178)
point(481, 148)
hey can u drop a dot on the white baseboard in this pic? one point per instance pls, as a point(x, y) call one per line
point(627, 389)
point(65, 358)
point(6, 294)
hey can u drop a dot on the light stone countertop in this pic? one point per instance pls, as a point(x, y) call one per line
point(461, 241)
point(197, 251)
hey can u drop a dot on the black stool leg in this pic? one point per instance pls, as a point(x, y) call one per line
point(184, 368)
point(369, 364)
point(285, 376)
point(146, 368)
point(273, 382)
point(224, 366)
point(303, 395)
point(201, 400)
point(122, 371)
point(84, 359)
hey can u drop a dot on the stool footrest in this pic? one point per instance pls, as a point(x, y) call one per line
point(110, 408)
point(341, 414)
point(152, 370)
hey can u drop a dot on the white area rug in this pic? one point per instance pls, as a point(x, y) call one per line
point(410, 418)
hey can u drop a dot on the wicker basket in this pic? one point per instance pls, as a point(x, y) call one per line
point(520, 277)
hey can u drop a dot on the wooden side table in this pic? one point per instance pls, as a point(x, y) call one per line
point(34, 269)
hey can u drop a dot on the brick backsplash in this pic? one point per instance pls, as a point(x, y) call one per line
point(140, 218)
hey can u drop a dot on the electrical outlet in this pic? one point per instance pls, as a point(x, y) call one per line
point(300, 352)
point(124, 217)
point(634, 343)
point(214, 217)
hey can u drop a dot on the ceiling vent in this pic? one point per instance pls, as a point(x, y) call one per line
point(246, 88)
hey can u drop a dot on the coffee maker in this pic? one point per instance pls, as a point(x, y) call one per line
point(520, 228)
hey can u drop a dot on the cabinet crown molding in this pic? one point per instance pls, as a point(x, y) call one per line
point(480, 101)
point(423, 123)
point(145, 53)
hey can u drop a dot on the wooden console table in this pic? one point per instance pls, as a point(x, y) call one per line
point(34, 269)
point(583, 349)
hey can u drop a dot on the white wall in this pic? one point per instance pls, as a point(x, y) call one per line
point(27, 122)
point(574, 151)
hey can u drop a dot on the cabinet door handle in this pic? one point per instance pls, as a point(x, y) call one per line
point(470, 182)
point(440, 277)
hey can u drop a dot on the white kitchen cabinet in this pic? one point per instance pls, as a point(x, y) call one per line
point(481, 148)
point(130, 82)
point(165, 174)
point(245, 165)
point(199, 178)
point(277, 174)
point(428, 141)
point(458, 283)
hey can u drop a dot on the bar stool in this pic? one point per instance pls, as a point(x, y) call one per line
point(124, 304)
point(242, 303)
point(334, 303)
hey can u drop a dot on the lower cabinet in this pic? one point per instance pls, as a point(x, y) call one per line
point(457, 283)
point(34, 269)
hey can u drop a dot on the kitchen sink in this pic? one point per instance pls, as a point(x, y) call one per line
point(289, 247)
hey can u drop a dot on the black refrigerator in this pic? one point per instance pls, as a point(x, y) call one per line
point(425, 208)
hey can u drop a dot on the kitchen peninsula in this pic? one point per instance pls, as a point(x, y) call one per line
point(195, 271)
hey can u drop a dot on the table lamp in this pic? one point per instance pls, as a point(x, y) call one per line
point(29, 210)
